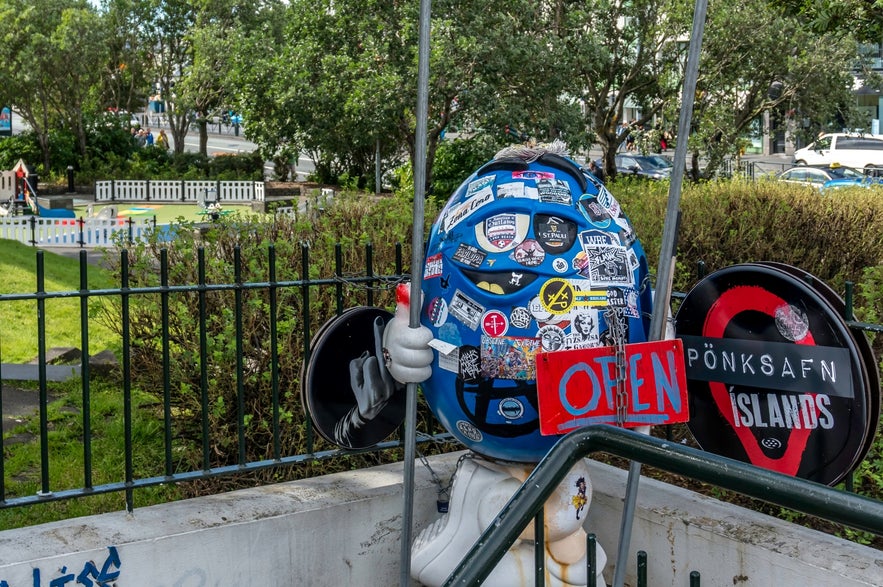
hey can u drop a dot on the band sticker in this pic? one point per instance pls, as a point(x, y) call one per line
point(510, 409)
point(585, 330)
point(554, 191)
point(494, 323)
point(469, 430)
point(502, 232)
point(606, 199)
point(634, 262)
point(516, 189)
point(609, 266)
point(532, 174)
point(470, 363)
point(625, 299)
point(466, 310)
point(528, 253)
point(594, 212)
point(463, 211)
point(437, 311)
point(558, 296)
point(449, 334)
point(509, 357)
point(597, 238)
point(520, 317)
point(434, 266)
point(482, 183)
point(469, 255)
point(551, 338)
point(608, 262)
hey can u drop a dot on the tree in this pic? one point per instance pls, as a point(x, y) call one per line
point(125, 77)
point(343, 83)
point(620, 52)
point(163, 29)
point(756, 60)
point(862, 19)
point(48, 52)
point(218, 24)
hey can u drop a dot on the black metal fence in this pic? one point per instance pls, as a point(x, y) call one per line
point(305, 288)
point(366, 286)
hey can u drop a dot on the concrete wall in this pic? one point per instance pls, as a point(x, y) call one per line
point(344, 529)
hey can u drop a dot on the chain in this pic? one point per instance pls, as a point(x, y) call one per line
point(616, 325)
point(443, 491)
point(379, 283)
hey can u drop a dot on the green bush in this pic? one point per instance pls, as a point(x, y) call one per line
point(835, 238)
point(21, 146)
point(351, 220)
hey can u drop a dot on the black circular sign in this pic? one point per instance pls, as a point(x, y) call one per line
point(869, 362)
point(775, 376)
point(345, 387)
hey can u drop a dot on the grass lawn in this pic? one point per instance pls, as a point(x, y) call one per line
point(18, 339)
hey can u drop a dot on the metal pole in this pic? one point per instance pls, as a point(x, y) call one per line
point(416, 282)
point(665, 268)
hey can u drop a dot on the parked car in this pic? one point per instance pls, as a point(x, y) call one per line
point(865, 181)
point(817, 176)
point(849, 150)
point(645, 166)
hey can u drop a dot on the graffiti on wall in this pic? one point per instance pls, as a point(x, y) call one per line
point(90, 575)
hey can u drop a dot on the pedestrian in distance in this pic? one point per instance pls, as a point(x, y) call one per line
point(162, 140)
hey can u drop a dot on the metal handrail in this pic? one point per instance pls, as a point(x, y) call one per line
point(796, 494)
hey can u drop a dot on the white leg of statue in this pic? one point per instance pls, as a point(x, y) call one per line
point(481, 489)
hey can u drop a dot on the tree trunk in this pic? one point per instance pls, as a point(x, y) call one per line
point(203, 136)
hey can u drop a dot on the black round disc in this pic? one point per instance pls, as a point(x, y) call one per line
point(345, 360)
point(869, 361)
point(775, 377)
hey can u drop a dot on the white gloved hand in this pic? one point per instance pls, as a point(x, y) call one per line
point(406, 349)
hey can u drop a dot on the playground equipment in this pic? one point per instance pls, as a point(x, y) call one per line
point(19, 185)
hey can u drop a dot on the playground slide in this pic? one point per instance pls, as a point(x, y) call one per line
point(55, 212)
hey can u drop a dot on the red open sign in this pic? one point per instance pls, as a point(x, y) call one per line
point(579, 387)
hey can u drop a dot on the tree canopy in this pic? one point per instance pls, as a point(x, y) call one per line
point(338, 79)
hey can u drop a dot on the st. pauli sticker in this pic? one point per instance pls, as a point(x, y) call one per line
point(776, 377)
point(555, 234)
point(578, 387)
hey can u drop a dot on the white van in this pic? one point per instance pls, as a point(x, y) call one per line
point(859, 151)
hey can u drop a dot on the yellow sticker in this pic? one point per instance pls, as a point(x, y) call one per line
point(556, 296)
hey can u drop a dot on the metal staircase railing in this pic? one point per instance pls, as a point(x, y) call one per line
point(796, 494)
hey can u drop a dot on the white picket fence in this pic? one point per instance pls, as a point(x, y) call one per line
point(72, 232)
point(148, 190)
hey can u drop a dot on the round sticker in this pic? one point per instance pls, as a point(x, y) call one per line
point(776, 378)
point(556, 296)
point(360, 405)
point(494, 323)
point(437, 311)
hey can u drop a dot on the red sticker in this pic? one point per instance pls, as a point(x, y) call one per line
point(494, 323)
